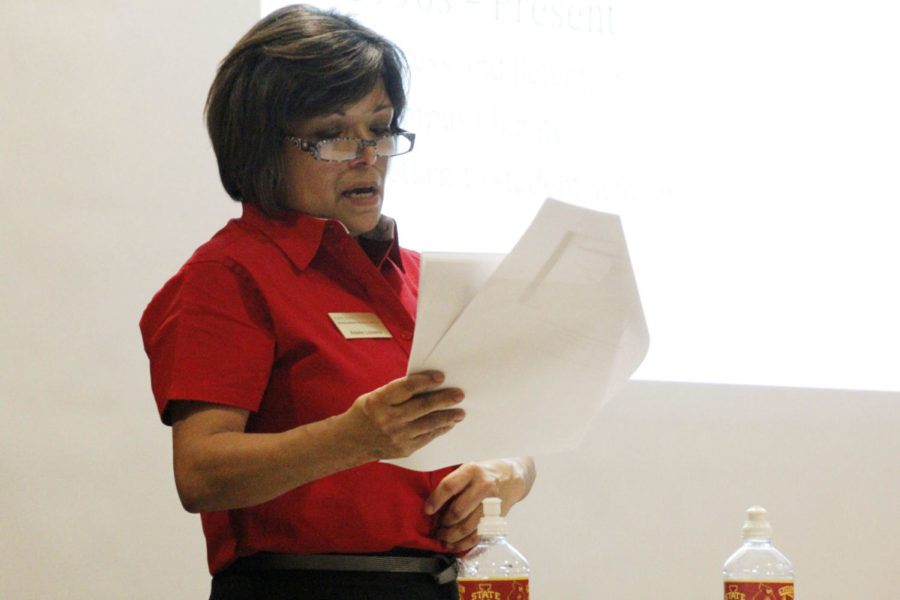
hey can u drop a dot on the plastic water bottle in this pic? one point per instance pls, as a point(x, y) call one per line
point(493, 569)
point(757, 570)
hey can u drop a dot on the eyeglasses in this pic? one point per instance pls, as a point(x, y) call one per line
point(344, 149)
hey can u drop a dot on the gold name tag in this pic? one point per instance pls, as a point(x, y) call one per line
point(360, 325)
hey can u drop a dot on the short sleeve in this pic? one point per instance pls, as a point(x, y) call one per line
point(209, 338)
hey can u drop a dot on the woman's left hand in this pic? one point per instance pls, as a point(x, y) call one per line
point(458, 496)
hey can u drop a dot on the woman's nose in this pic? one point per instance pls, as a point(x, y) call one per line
point(367, 157)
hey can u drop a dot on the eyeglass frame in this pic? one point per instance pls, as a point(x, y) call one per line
point(312, 148)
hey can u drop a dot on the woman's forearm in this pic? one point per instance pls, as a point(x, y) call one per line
point(226, 469)
point(218, 466)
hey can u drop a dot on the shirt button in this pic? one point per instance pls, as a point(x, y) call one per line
point(406, 334)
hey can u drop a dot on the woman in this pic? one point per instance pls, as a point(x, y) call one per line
point(278, 351)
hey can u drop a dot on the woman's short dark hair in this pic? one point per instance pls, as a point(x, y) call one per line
point(298, 62)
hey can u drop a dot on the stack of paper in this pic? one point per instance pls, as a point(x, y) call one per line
point(537, 339)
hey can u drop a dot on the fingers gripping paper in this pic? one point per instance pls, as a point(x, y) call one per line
point(537, 342)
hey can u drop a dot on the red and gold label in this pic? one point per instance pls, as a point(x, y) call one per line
point(759, 590)
point(493, 589)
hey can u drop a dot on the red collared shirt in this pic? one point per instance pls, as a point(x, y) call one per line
point(245, 323)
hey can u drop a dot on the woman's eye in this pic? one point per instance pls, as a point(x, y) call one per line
point(330, 134)
point(326, 135)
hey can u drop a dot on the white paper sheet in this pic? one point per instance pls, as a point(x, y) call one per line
point(538, 343)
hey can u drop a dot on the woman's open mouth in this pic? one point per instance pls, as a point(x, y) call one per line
point(363, 195)
point(361, 192)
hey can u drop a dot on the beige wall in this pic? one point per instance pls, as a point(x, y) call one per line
point(107, 183)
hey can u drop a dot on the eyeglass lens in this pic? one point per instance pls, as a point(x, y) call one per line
point(348, 149)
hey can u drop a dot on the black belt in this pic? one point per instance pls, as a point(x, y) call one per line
point(441, 567)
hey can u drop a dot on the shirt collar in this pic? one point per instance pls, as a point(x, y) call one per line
point(300, 235)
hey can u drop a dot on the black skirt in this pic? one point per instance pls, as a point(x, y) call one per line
point(239, 582)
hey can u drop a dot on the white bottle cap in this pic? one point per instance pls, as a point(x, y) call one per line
point(757, 526)
point(491, 523)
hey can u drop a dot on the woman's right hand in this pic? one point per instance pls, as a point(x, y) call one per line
point(400, 417)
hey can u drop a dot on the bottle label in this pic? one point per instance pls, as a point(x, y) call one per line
point(759, 590)
point(515, 588)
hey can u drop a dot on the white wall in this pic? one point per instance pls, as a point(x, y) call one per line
point(654, 504)
point(108, 184)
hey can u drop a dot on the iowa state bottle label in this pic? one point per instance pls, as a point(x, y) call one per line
point(759, 590)
point(493, 589)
